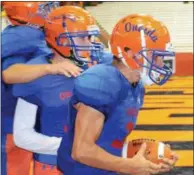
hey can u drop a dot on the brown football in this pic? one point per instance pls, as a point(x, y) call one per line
point(155, 150)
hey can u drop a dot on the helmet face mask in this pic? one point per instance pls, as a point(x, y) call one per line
point(82, 44)
point(153, 66)
point(46, 7)
point(142, 43)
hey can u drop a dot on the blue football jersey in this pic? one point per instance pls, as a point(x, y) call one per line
point(104, 88)
point(51, 93)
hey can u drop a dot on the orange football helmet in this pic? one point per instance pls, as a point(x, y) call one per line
point(140, 41)
point(28, 13)
point(68, 23)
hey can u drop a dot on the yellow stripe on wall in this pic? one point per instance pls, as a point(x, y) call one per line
point(161, 116)
point(185, 158)
point(163, 135)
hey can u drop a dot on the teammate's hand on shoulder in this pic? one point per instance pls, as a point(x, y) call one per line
point(66, 68)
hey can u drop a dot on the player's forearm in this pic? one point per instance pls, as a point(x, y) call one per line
point(97, 157)
point(21, 73)
point(24, 134)
point(35, 142)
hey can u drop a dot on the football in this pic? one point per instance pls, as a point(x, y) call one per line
point(155, 150)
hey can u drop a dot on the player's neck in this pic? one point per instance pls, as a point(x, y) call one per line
point(126, 71)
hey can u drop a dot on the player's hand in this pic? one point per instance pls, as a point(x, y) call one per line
point(141, 166)
point(66, 68)
point(169, 163)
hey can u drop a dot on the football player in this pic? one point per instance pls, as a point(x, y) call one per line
point(21, 41)
point(71, 32)
point(106, 100)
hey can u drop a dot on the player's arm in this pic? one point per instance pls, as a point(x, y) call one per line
point(93, 95)
point(23, 73)
point(15, 71)
point(25, 135)
point(13, 59)
point(88, 127)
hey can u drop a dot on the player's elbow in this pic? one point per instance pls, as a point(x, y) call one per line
point(82, 153)
point(18, 139)
point(77, 154)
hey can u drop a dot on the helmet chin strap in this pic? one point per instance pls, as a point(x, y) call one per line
point(144, 74)
point(120, 56)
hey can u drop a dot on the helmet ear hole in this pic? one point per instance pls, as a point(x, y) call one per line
point(128, 52)
point(126, 49)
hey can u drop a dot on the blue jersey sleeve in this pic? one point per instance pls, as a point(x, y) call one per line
point(98, 88)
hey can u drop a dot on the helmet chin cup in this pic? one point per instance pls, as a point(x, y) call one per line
point(146, 80)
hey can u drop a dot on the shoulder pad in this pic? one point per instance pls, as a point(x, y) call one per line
point(20, 40)
point(98, 86)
